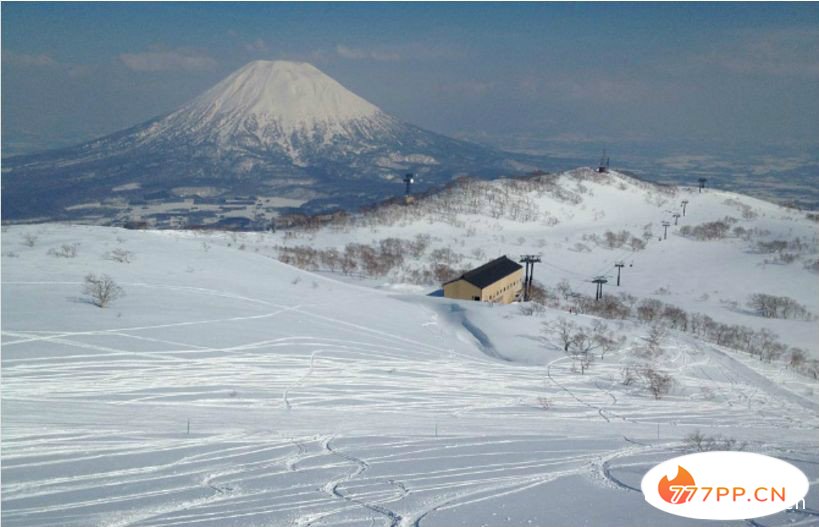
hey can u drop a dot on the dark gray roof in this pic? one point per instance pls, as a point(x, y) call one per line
point(491, 272)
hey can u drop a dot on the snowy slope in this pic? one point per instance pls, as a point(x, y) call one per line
point(564, 218)
point(271, 128)
point(315, 402)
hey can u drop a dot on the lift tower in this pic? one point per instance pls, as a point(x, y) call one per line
point(599, 281)
point(603, 166)
point(619, 266)
point(530, 260)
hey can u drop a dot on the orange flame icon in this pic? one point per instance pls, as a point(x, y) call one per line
point(680, 489)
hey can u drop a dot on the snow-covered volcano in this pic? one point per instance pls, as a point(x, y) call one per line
point(293, 94)
point(272, 128)
point(284, 107)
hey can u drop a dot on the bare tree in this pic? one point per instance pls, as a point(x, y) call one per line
point(658, 383)
point(580, 343)
point(604, 339)
point(575, 341)
point(102, 289)
point(564, 330)
point(581, 351)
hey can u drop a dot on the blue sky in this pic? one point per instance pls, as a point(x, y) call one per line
point(742, 75)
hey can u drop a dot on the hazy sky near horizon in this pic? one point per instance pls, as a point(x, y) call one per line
point(677, 73)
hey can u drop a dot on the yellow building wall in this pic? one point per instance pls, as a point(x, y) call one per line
point(462, 290)
point(503, 291)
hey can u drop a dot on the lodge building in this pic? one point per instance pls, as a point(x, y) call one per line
point(500, 280)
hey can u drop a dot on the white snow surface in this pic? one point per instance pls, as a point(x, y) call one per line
point(316, 402)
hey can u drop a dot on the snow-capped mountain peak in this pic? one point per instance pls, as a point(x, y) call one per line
point(274, 128)
point(294, 95)
point(290, 109)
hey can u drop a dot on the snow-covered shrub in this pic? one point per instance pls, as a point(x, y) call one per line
point(675, 317)
point(29, 239)
point(120, 255)
point(445, 255)
point(741, 232)
point(649, 309)
point(443, 273)
point(797, 358)
point(771, 247)
point(746, 210)
point(699, 442)
point(580, 342)
point(300, 256)
point(529, 309)
point(616, 240)
point(610, 306)
point(627, 299)
point(66, 250)
point(542, 295)
point(714, 230)
point(636, 244)
point(771, 306)
point(786, 258)
point(545, 403)
point(102, 289)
